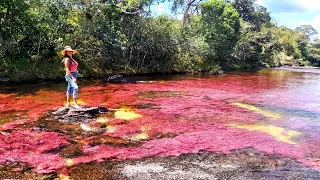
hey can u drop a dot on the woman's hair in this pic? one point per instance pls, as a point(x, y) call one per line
point(67, 56)
point(70, 59)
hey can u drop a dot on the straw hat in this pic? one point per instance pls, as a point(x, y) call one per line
point(68, 48)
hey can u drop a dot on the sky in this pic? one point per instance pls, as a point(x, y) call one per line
point(289, 13)
point(293, 13)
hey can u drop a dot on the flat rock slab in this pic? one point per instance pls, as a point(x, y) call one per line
point(83, 114)
point(242, 164)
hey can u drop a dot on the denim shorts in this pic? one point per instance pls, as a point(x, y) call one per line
point(72, 86)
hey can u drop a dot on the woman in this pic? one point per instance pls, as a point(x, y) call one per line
point(71, 66)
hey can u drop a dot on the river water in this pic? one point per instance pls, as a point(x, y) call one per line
point(274, 111)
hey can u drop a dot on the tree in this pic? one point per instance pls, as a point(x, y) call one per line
point(16, 24)
point(314, 53)
point(251, 12)
point(187, 6)
point(221, 26)
point(261, 16)
point(307, 30)
point(245, 9)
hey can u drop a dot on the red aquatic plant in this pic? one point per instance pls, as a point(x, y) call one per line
point(32, 147)
point(217, 114)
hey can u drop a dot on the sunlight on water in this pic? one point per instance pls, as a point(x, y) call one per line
point(266, 113)
point(279, 133)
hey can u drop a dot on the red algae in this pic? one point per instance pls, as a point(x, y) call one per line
point(215, 114)
point(33, 105)
point(218, 139)
point(32, 147)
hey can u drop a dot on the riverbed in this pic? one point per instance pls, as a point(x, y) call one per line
point(266, 121)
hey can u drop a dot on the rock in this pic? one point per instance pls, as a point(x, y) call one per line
point(71, 151)
point(87, 128)
point(76, 123)
point(84, 114)
point(4, 80)
point(116, 79)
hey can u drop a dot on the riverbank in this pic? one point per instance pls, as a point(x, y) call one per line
point(122, 77)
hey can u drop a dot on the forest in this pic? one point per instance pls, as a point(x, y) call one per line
point(123, 37)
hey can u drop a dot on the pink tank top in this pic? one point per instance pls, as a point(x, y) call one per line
point(74, 65)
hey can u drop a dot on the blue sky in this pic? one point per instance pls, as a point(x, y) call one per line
point(290, 13)
point(293, 13)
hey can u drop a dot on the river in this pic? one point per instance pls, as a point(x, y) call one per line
point(274, 111)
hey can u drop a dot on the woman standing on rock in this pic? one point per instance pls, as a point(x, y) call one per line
point(71, 66)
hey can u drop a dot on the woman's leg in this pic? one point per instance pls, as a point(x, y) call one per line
point(72, 87)
point(75, 90)
point(75, 96)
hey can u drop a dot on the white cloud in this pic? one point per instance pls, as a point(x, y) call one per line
point(259, 2)
point(309, 4)
point(160, 7)
point(293, 13)
point(315, 23)
point(290, 6)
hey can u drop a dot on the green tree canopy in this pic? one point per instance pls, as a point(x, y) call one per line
point(221, 26)
point(307, 30)
point(253, 13)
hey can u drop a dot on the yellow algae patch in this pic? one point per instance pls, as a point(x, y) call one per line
point(266, 113)
point(112, 109)
point(80, 102)
point(126, 114)
point(111, 129)
point(279, 133)
point(143, 135)
point(69, 162)
point(102, 120)
point(63, 177)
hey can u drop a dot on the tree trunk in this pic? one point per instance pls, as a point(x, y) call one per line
point(186, 12)
point(88, 3)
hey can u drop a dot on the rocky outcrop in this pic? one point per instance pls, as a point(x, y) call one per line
point(84, 114)
point(4, 80)
point(116, 79)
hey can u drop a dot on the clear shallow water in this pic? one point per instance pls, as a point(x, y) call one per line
point(276, 111)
